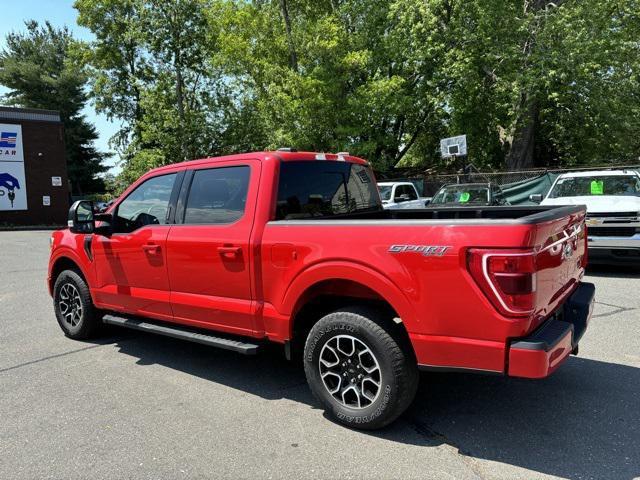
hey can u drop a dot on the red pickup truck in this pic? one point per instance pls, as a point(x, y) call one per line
point(295, 248)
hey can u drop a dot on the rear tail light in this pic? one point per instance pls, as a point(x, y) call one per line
point(507, 278)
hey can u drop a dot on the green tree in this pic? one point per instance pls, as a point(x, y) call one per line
point(117, 62)
point(40, 69)
point(531, 82)
point(584, 84)
point(325, 75)
point(150, 68)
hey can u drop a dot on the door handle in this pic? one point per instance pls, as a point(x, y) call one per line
point(229, 252)
point(151, 248)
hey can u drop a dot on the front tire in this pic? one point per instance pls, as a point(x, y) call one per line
point(74, 309)
point(359, 369)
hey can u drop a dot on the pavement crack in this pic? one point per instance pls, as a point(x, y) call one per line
point(618, 310)
point(24, 270)
point(431, 435)
point(613, 306)
point(426, 431)
point(49, 357)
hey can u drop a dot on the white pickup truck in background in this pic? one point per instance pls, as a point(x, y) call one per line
point(401, 195)
point(612, 198)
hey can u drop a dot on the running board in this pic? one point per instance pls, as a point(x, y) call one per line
point(177, 332)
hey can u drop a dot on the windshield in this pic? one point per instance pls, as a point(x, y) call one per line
point(626, 185)
point(385, 192)
point(461, 194)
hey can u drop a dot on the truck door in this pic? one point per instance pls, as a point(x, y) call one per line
point(209, 254)
point(131, 263)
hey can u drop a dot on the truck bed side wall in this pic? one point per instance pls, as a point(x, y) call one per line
point(448, 318)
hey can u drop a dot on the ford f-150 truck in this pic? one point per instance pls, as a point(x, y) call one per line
point(295, 248)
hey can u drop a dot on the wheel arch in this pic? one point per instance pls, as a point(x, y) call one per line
point(61, 263)
point(329, 287)
point(362, 281)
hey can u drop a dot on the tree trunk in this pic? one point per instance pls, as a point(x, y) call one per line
point(293, 57)
point(177, 63)
point(179, 88)
point(137, 129)
point(520, 154)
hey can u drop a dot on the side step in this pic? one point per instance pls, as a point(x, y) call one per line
point(177, 332)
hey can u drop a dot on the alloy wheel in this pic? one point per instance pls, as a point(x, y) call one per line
point(70, 305)
point(350, 371)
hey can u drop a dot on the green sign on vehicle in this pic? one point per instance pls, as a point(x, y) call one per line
point(597, 187)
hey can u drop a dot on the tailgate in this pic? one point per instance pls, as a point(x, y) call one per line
point(561, 246)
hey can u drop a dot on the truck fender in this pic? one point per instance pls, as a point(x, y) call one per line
point(66, 253)
point(350, 271)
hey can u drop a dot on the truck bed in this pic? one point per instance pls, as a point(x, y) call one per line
point(499, 215)
point(555, 237)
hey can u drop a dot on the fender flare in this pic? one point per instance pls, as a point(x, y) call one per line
point(68, 253)
point(350, 271)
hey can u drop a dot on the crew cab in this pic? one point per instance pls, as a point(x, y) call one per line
point(612, 198)
point(295, 248)
point(401, 195)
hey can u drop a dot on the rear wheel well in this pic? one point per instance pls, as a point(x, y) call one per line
point(331, 295)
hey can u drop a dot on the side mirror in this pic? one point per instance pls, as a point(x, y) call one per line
point(106, 224)
point(80, 219)
point(535, 197)
point(402, 198)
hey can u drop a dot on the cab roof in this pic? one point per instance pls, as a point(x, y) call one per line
point(285, 156)
point(384, 184)
point(474, 184)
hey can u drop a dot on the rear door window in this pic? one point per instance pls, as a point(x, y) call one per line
point(217, 195)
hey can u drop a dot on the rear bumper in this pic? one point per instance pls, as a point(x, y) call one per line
point(541, 353)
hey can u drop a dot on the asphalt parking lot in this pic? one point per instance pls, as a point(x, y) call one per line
point(135, 405)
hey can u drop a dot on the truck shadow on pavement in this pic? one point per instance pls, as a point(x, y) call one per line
point(582, 422)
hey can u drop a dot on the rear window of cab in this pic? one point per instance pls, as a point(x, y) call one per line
point(313, 189)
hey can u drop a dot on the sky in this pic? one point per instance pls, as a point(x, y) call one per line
point(59, 13)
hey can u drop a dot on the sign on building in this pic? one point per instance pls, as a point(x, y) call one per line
point(454, 146)
point(56, 181)
point(13, 185)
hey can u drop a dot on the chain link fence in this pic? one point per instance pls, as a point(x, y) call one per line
point(428, 184)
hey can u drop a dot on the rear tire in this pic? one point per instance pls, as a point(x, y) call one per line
point(76, 315)
point(359, 368)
